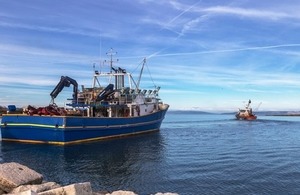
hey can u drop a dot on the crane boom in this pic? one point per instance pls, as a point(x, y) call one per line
point(65, 81)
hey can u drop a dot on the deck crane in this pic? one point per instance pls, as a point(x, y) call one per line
point(65, 81)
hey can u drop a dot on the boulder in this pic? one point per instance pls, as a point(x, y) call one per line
point(121, 192)
point(167, 193)
point(74, 189)
point(27, 192)
point(14, 174)
point(36, 188)
point(2, 191)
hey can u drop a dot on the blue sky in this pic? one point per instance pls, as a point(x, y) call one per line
point(206, 55)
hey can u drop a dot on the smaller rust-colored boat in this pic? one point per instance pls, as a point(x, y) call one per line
point(246, 113)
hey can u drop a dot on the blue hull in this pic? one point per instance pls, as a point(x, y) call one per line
point(75, 129)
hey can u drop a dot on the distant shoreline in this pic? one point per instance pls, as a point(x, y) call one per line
point(283, 115)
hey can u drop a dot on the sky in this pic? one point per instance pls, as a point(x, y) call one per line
point(207, 55)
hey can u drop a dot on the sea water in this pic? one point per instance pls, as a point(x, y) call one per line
point(194, 153)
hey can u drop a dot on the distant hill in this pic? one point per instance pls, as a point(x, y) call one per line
point(279, 113)
point(188, 112)
point(273, 113)
point(261, 113)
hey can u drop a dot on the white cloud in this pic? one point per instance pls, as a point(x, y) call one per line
point(255, 13)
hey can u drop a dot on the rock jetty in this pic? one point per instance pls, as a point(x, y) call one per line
point(17, 179)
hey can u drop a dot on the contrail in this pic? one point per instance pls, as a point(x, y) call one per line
point(175, 18)
point(171, 21)
point(229, 50)
point(156, 54)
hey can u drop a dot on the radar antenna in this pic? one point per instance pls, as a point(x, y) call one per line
point(111, 53)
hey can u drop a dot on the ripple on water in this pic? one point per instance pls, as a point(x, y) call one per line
point(192, 154)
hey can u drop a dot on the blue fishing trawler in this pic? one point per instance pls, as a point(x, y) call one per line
point(106, 110)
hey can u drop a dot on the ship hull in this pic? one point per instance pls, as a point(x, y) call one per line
point(249, 118)
point(64, 130)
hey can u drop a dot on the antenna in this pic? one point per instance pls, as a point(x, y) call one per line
point(100, 51)
point(100, 47)
point(111, 53)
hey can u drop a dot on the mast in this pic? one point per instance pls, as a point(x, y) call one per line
point(111, 54)
point(248, 105)
point(138, 83)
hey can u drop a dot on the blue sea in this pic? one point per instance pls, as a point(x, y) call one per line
point(193, 153)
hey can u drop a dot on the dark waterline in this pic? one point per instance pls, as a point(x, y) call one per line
point(192, 154)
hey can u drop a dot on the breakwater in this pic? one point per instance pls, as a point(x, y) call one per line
point(16, 179)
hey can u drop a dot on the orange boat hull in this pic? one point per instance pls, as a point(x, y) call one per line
point(249, 118)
